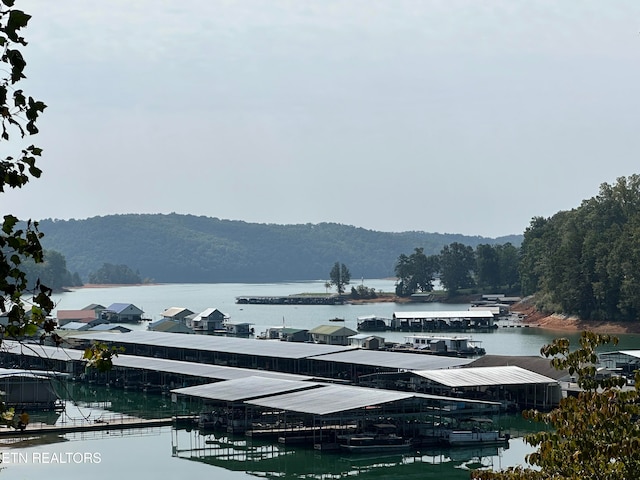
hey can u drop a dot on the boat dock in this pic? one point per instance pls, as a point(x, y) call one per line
point(292, 300)
point(124, 423)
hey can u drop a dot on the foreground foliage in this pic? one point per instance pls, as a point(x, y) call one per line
point(19, 114)
point(25, 307)
point(595, 435)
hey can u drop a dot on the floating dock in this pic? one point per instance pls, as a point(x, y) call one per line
point(292, 300)
point(126, 423)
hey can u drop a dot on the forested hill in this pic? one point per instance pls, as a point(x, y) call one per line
point(187, 248)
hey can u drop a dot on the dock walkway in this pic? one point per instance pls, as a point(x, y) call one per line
point(125, 423)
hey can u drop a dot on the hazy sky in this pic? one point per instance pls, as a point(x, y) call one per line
point(457, 116)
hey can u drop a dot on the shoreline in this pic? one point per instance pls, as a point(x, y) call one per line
point(567, 323)
point(532, 317)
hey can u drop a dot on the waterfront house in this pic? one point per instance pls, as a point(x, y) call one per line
point(122, 312)
point(96, 307)
point(179, 314)
point(331, 334)
point(85, 316)
point(288, 334)
point(240, 329)
point(368, 342)
point(208, 321)
point(169, 326)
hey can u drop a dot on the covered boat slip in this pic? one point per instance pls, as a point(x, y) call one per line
point(129, 370)
point(28, 389)
point(442, 321)
point(518, 387)
point(316, 412)
point(624, 362)
point(354, 364)
point(309, 359)
point(287, 357)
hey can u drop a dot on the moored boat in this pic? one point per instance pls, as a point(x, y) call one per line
point(365, 443)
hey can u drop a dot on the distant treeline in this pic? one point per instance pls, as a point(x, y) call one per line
point(194, 249)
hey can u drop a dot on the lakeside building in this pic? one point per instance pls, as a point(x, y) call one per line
point(177, 314)
point(334, 361)
point(331, 334)
point(515, 388)
point(28, 389)
point(435, 321)
point(122, 313)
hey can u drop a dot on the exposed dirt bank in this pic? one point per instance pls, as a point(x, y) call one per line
point(565, 323)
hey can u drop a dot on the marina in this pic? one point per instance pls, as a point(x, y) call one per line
point(152, 368)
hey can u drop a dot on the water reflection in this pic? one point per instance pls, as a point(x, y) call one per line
point(276, 461)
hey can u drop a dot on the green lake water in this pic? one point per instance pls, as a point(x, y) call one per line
point(181, 453)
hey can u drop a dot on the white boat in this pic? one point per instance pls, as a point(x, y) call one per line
point(473, 437)
point(479, 431)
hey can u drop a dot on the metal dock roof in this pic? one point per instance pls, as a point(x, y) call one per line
point(329, 399)
point(484, 376)
point(399, 360)
point(245, 346)
point(201, 370)
point(443, 314)
point(244, 389)
point(629, 353)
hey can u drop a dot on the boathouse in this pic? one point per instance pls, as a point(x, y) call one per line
point(435, 321)
point(368, 342)
point(313, 412)
point(331, 334)
point(539, 365)
point(625, 362)
point(28, 389)
point(178, 314)
point(515, 387)
point(169, 326)
point(128, 370)
point(329, 361)
point(208, 321)
point(84, 316)
point(122, 313)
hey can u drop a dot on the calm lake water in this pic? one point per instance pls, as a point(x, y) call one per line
point(178, 454)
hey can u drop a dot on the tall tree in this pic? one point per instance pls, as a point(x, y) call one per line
point(415, 272)
point(340, 276)
point(487, 266)
point(508, 261)
point(457, 262)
